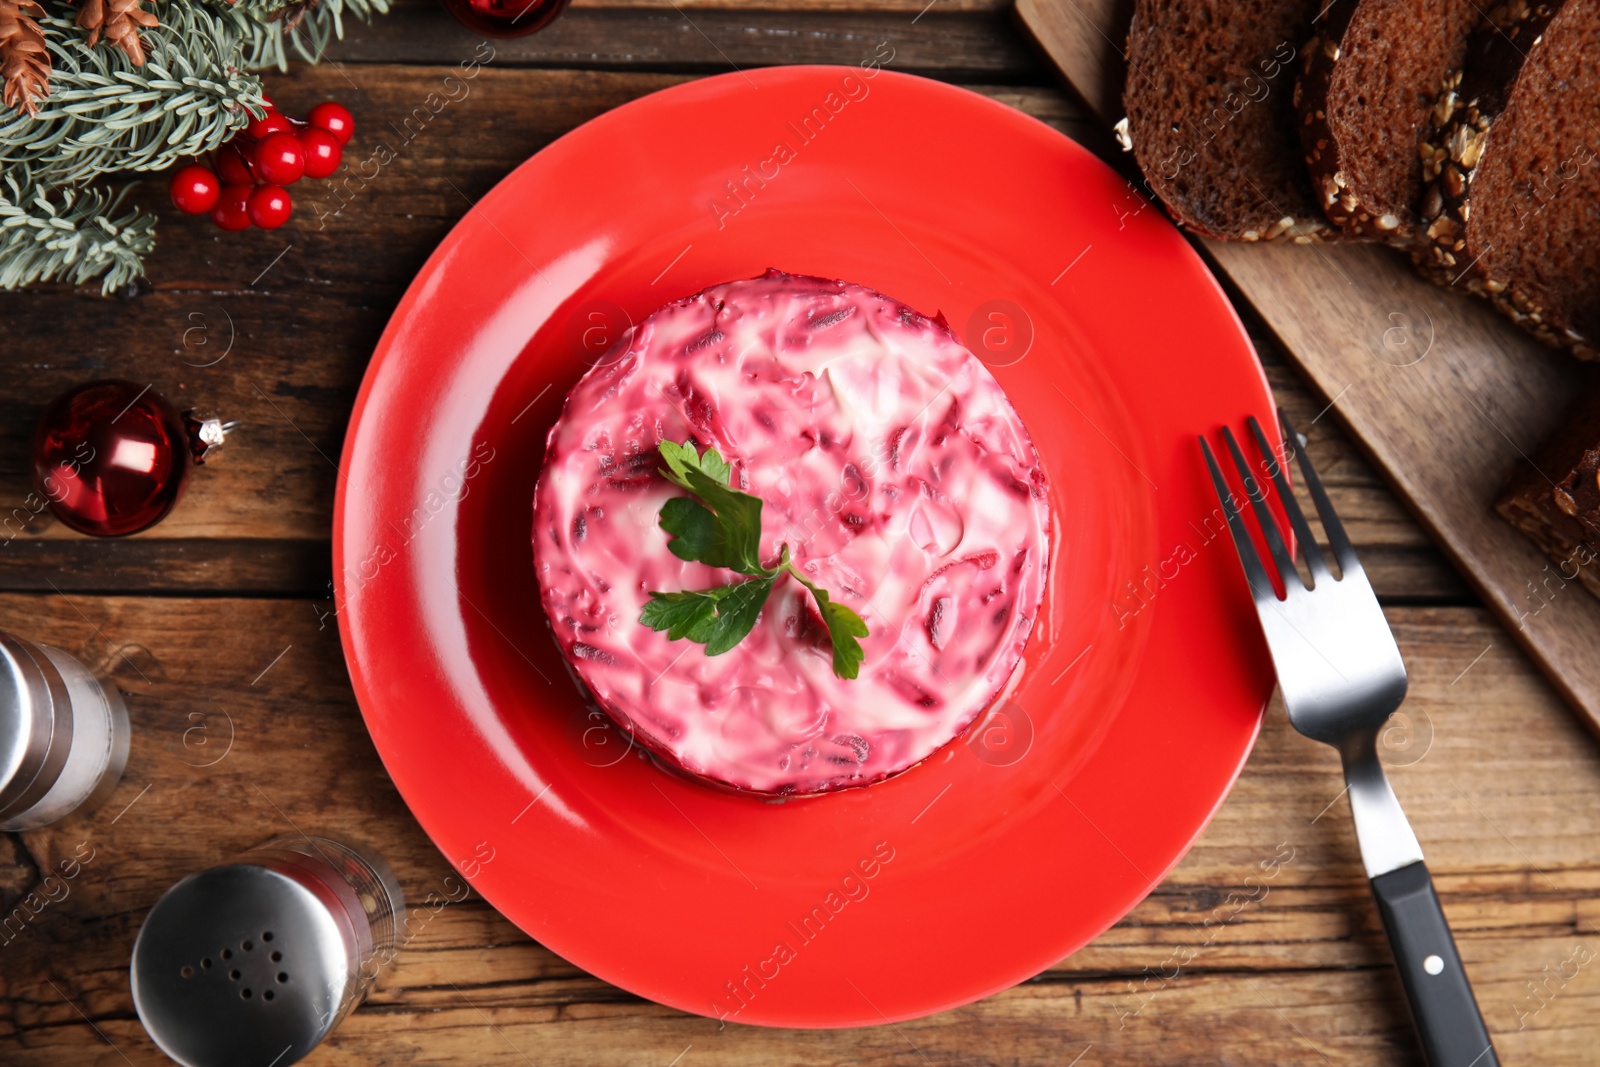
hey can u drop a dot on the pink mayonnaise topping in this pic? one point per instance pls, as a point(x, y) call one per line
point(891, 463)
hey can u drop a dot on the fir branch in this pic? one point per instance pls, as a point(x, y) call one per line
point(105, 114)
point(310, 25)
point(70, 233)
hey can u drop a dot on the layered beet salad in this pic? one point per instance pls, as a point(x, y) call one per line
point(791, 534)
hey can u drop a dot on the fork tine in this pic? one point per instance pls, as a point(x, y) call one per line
point(1254, 572)
point(1343, 550)
point(1297, 519)
point(1264, 516)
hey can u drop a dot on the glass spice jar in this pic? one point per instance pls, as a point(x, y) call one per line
point(63, 735)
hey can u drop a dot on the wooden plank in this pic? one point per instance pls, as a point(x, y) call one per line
point(274, 330)
point(1446, 396)
point(190, 565)
point(1260, 947)
point(1087, 40)
point(961, 45)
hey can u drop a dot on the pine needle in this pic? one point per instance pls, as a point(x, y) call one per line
point(73, 234)
point(309, 25)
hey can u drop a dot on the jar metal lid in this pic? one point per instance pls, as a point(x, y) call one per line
point(242, 966)
point(35, 725)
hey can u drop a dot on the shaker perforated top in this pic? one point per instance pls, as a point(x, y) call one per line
point(244, 966)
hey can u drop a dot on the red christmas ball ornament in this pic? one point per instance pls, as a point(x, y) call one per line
point(269, 206)
point(335, 118)
point(232, 209)
point(233, 165)
point(113, 457)
point(505, 18)
point(274, 121)
point(194, 189)
point(280, 159)
point(323, 151)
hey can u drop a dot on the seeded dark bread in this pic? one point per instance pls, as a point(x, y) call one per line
point(1556, 501)
point(1209, 100)
point(1513, 209)
point(1367, 96)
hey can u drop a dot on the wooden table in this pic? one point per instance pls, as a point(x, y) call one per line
point(246, 726)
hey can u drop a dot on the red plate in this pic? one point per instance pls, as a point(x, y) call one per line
point(1143, 685)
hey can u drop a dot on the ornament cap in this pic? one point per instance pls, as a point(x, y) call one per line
point(206, 434)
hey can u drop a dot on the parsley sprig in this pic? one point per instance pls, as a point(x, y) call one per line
point(721, 527)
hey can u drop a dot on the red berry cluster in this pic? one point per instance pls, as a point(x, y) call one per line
point(245, 185)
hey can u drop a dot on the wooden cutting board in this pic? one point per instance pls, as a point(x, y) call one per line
point(1446, 397)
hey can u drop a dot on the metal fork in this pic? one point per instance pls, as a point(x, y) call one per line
point(1341, 677)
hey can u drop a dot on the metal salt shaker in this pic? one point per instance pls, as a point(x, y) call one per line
point(253, 962)
point(63, 735)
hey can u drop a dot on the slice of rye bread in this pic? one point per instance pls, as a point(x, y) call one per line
point(1209, 100)
point(1555, 501)
point(1512, 211)
point(1367, 99)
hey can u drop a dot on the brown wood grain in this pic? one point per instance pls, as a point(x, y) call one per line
point(1227, 961)
point(203, 565)
point(1447, 397)
point(965, 43)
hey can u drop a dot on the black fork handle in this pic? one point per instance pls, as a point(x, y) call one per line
point(1442, 1006)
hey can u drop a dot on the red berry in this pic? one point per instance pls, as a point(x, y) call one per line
point(323, 151)
point(335, 118)
point(269, 206)
point(233, 165)
point(271, 122)
point(194, 189)
point(230, 212)
point(279, 159)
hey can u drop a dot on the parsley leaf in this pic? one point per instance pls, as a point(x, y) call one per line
point(721, 527)
point(681, 459)
point(718, 618)
point(844, 627)
point(697, 536)
point(737, 614)
point(684, 614)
